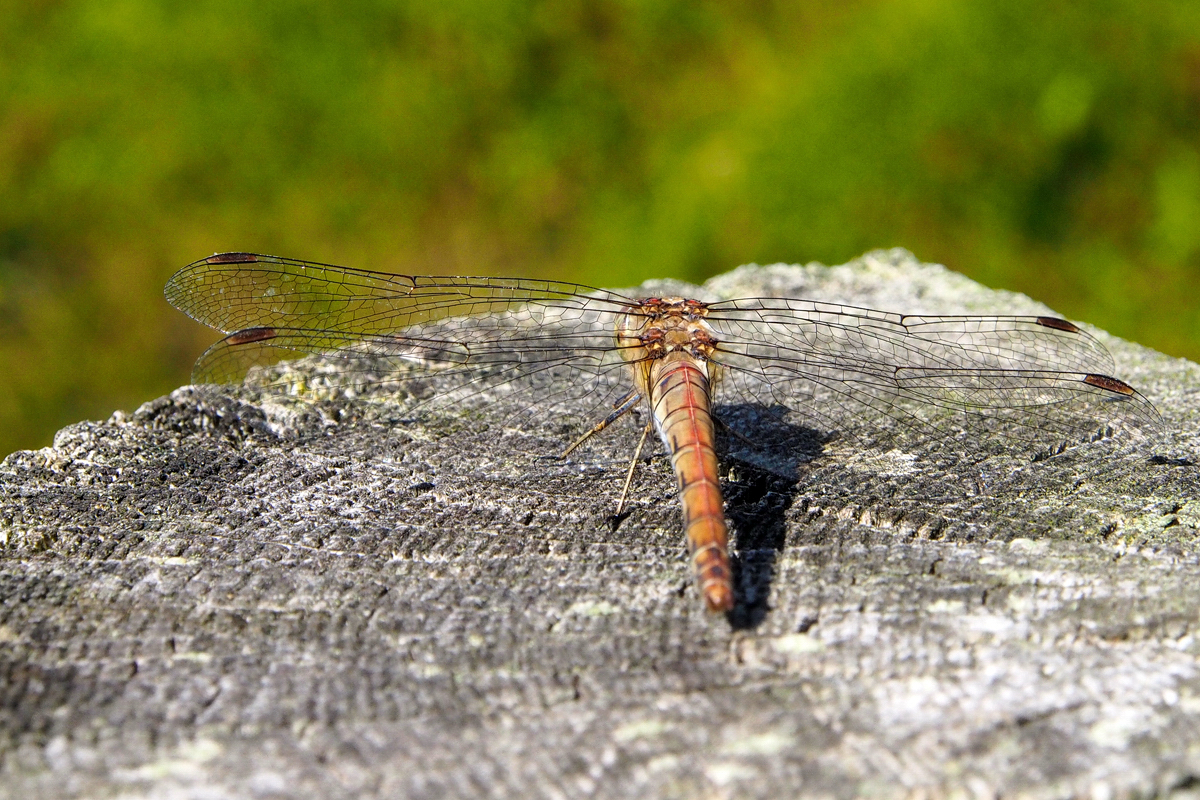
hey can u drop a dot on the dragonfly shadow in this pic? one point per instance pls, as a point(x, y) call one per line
point(765, 457)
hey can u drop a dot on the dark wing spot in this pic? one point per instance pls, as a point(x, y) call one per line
point(231, 258)
point(1058, 324)
point(250, 335)
point(1108, 384)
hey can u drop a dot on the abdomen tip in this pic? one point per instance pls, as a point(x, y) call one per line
point(718, 598)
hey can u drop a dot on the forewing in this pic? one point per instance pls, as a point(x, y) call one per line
point(1039, 380)
point(546, 341)
point(236, 291)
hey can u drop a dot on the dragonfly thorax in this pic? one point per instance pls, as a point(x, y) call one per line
point(659, 327)
point(661, 330)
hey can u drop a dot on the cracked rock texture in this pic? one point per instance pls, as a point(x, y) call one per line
point(229, 593)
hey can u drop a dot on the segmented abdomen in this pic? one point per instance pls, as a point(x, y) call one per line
point(680, 403)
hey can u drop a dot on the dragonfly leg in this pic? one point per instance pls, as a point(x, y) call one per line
point(725, 426)
point(632, 464)
point(623, 406)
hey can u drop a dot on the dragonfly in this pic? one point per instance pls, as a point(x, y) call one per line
point(1028, 381)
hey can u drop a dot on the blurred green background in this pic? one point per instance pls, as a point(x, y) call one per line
point(1049, 148)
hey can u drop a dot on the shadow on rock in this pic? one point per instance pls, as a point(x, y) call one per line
point(765, 457)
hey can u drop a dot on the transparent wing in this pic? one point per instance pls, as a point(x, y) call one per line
point(1038, 380)
point(547, 341)
point(236, 291)
point(1041, 380)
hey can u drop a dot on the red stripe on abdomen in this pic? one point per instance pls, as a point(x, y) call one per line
point(680, 403)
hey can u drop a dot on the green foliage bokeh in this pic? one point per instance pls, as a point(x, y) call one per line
point(1050, 148)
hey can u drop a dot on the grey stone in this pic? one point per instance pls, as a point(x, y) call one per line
point(233, 593)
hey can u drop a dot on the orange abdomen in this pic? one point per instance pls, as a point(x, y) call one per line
point(680, 403)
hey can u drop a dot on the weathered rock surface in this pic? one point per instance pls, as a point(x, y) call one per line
point(233, 594)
